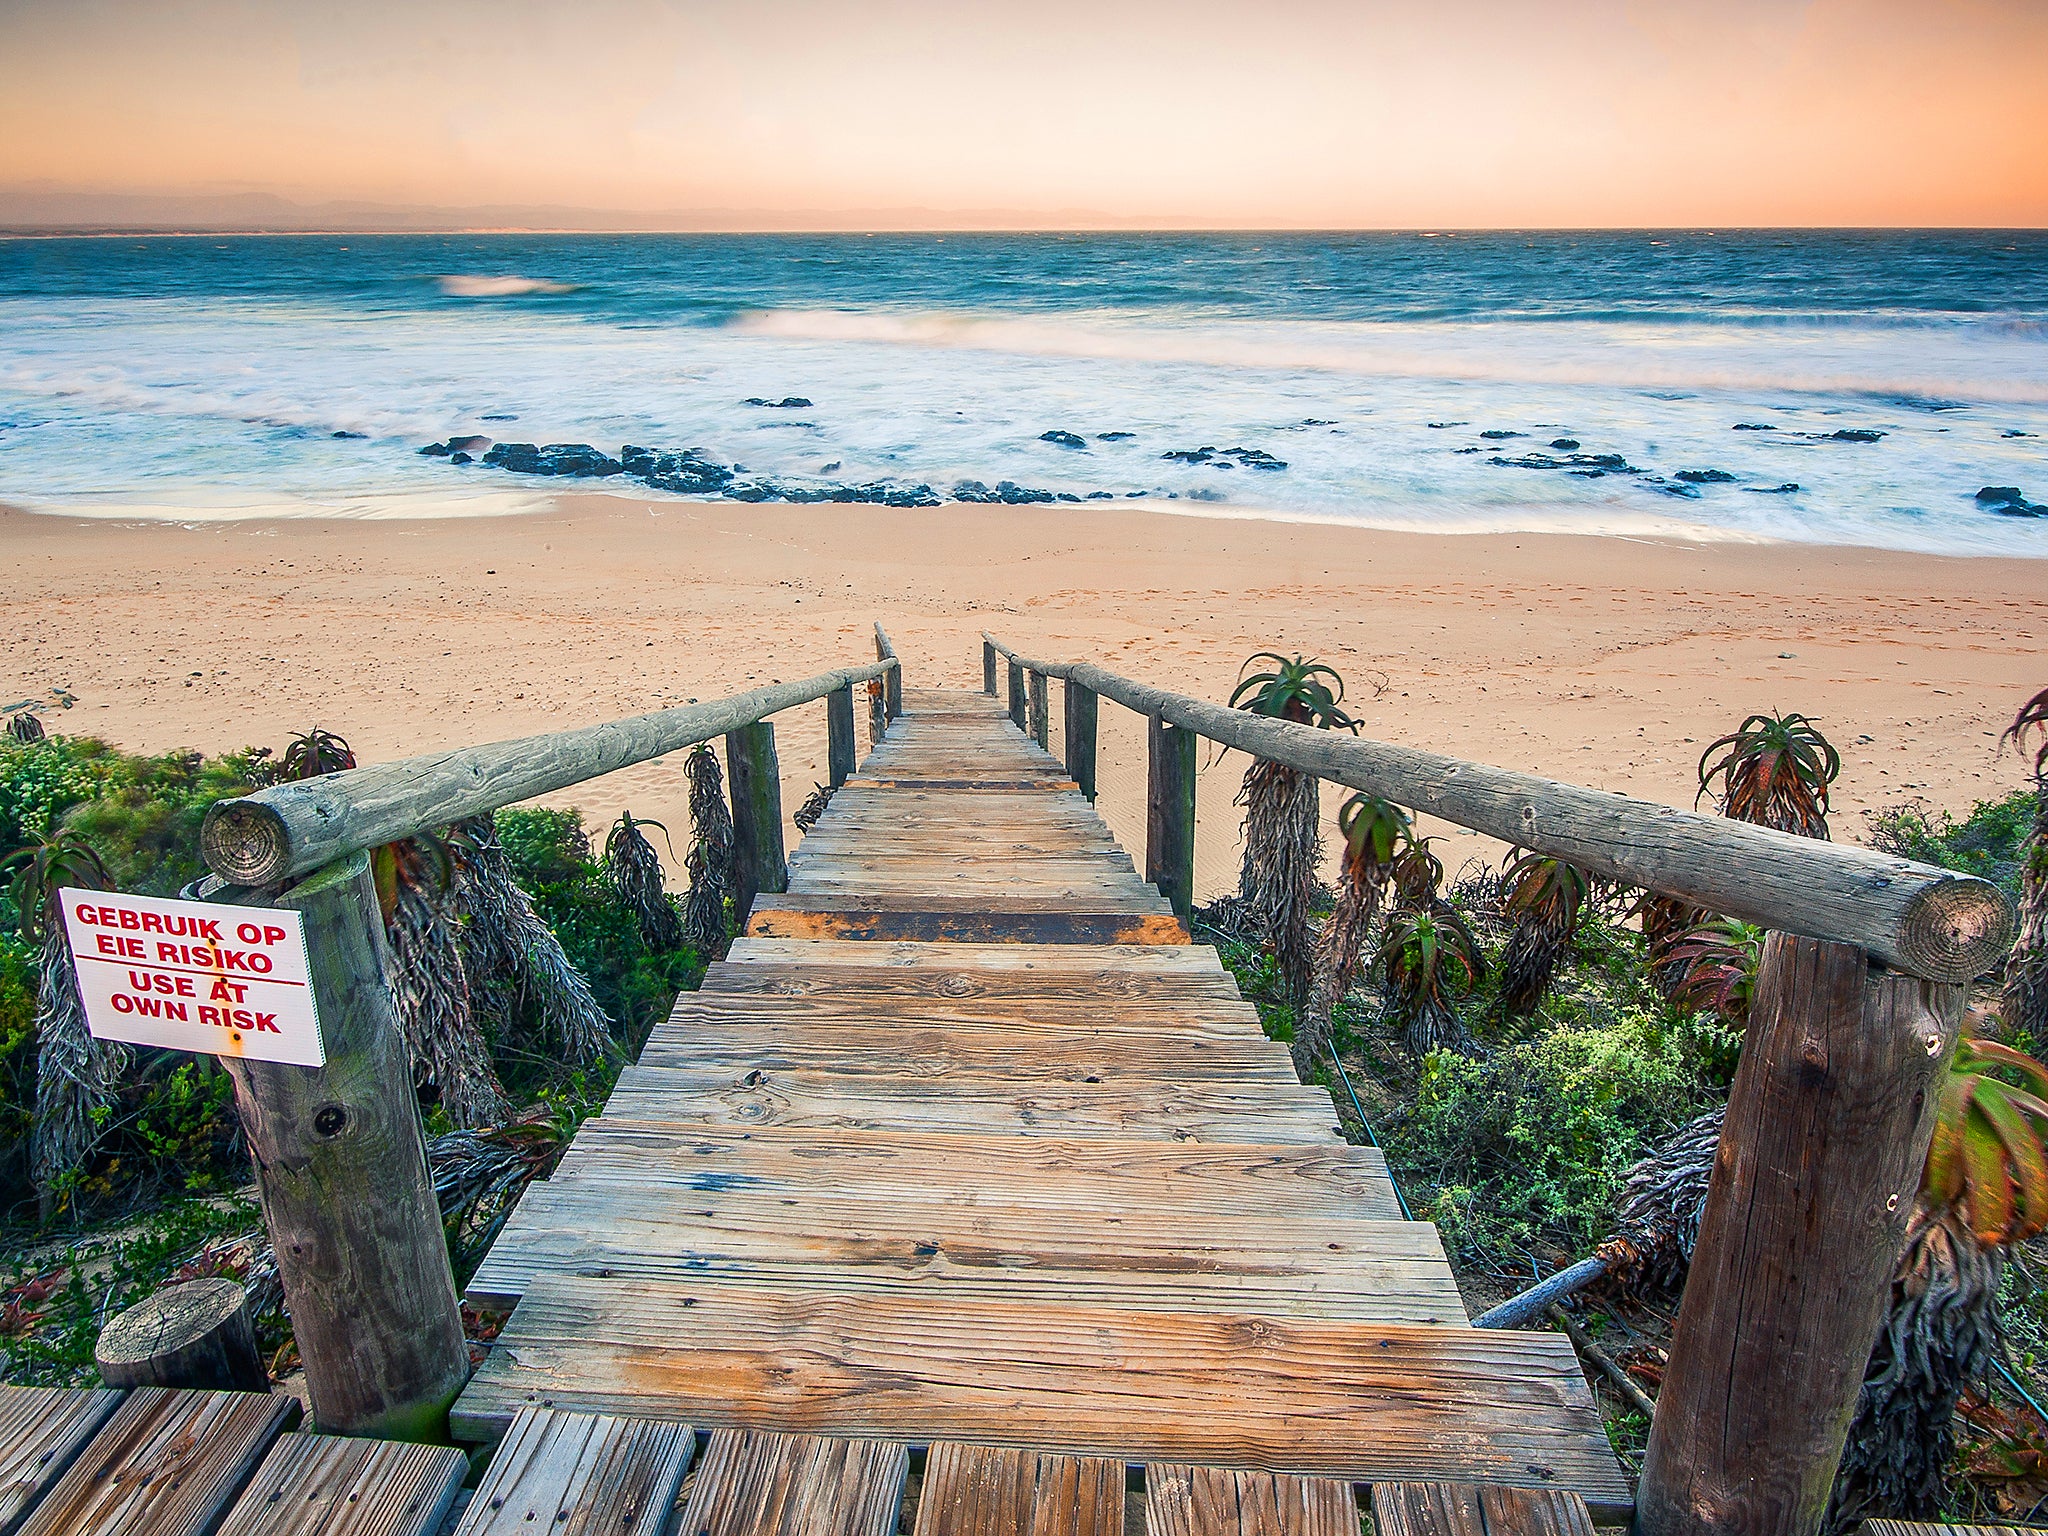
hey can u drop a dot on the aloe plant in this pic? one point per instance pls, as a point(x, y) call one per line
point(2023, 1004)
point(1545, 897)
point(635, 871)
point(709, 861)
point(1774, 771)
point(1376, 833)
point(1283, 842)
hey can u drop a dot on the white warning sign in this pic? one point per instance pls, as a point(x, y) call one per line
point(194, 976)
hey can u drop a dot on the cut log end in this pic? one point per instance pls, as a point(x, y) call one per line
point(246, 843)
point(1955, 930)
point(194, 1335)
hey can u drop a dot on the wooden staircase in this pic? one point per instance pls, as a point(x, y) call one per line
point(965, 1141)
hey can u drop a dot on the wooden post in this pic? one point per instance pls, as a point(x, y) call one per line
point(1170, 814)
point(1820, 1156)
point(988, 668)
point(342, 1171)
point(755, 781)
point(841, 754)
point(1080, 734)
point(1040, 725)
point(195, 1335)
point(893, 687)
point(1017, 695)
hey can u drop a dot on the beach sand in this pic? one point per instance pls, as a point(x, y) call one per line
point(1605, 661)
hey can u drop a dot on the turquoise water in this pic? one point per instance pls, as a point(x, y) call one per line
point(1833, 387)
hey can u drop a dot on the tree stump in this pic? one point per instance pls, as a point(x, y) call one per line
point(197, 1335)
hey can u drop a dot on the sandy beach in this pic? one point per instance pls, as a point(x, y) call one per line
point(1606, 661)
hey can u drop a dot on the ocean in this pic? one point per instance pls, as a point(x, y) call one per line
point(1856, 388)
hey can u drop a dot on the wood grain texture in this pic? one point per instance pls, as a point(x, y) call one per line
point(325, 1485)
point(908, 955)
point(1477, 1509)
point(1170, 813)
point(1331, 1399)
point(680, 1097)
point(194, 1334)
point(342, 1171)
point(291, 828)
point(1181, 1500)
point(581, 1474)
point(992, 1490)
point(836, 918)
point(842, 756)
point(165, 1464)
point(1927, 1528)
point(1040, 723)
point(756, 1483)
point(1082, 707)
point(754, 784)
point(1827, 1128)
point(41, 1430)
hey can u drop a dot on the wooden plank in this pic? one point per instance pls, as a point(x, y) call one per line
point(41, 1430)
point(1182, 1500)
point(1132, 994)
point(581, 1474)
point(683, 1096)
point(1053, 1007)
point(911, 955)
point(757, 1483)
point(166, 1464)
point(1071, 1054)
point(1478, 1509)
point(994, 1490)
point(1164, 1258)
point(1359, 1401)
point(838, 918)
point(329, 1485)
point(1929, 1528)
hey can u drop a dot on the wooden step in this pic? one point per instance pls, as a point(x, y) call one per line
point(1133, 920)
point(682, 1096)
point(581, 1474)
point(1181, 1500)
point(1479, 1509)
point(330, 1485)
point(759, 1483)
point(1143, 959)
point(1221, 1019)
point(42, 1430)
point(993, 1490)
point(1343, 1400)
point(1129, 994)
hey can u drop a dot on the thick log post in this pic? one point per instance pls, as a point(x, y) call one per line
point(755, 781)
point(1170, 814)
point(1041, 725)
point(195, 1335)
point(1820, 1156)
point(988, 668)
point(1080, 733)
point(342, 1171)
point(842, 756)
point(893, 689)
point(1017, 695)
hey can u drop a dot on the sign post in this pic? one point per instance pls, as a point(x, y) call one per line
point(190, 976)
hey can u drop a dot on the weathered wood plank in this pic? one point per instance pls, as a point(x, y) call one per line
point(166, 1464)
point(961, 958)
point(1082, 708)
point(992, 1490)
point(194, 1334)
point(754, 783)
point(41, 1430)
point(1182, 1500)
point(581, 1474)
point(1477, 1509)
point(1132, 993)
point(1359, 1401)
point(1170, 813)
point(1203, 1018)
point(783, 921)
point(679, 1097)
point(757, 1483)
point(326, 1485)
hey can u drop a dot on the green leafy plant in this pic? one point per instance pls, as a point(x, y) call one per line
point(1717, 966)
point(1294, 688)
point(635, 871)
point(1376, 833)
point(1545, 897)
point(314, 753)
point(1774, 771)
point(2023, 1004)
point(1432, 961)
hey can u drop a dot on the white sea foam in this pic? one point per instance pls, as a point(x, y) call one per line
point(475, 286)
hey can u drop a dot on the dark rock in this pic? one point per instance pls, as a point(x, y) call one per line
point(1680, 489)
point(831, 468)
point(1497, 434)
point(2000, 495)
point(1753, 426)
point(1068, 496)
point(500, 417)
point(1063, 439)
point(1113, 437)
point(1773, 490)
point(1580, 463)
point(1310, 421)
point(973, 490)
point(786, 403)
point(358, 436)
point(460, 458)
point(1565, 444)
point(1189, 455)
point(1103, 495)
point(1015, 495)
point(687, 474)
point(1854, 435)
point(436, 450)
point(1468, 450)
point(1705, 477)
point(1254, 458)
point(2015, 432)
point(576, 460)
point(470, 444)
point(1439, 426)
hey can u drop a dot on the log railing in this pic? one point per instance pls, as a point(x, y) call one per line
point(340, 1161)
point(1858, 1006)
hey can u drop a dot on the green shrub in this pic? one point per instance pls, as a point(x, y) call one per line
point(1990, 842)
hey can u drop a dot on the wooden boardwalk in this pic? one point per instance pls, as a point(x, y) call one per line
point(966, 1142)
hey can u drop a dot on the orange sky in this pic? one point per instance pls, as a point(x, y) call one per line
point(1319, 113)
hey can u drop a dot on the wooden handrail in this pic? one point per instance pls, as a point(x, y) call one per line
point(290, 828)
point(1916, 918)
